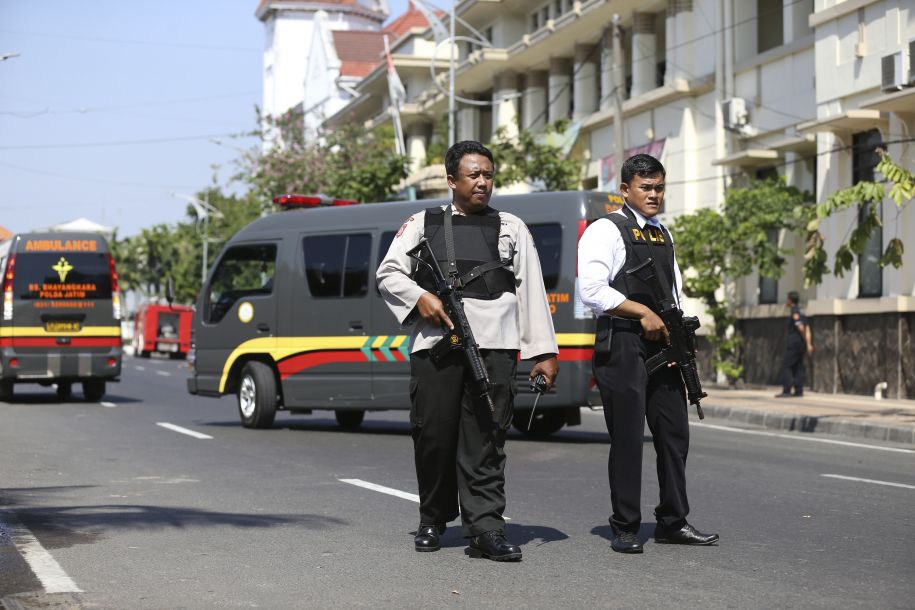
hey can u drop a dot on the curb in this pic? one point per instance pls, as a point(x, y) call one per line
point(814, 424)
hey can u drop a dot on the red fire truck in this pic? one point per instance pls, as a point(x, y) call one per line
point(163, 328)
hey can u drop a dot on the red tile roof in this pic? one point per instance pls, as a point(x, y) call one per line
point(403, 24)
point(359, 51)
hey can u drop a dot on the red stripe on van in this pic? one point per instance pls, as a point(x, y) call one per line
point(575, 354)
point(52, 342)
point(300, 362)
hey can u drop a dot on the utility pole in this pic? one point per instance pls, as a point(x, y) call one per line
point(619, 86)
point(452, 108)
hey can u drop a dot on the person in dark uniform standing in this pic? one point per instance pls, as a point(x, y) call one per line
point(629, 331)
point(458, 442)
point(799, 343)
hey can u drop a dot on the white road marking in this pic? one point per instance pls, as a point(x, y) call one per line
point(110, 405)
point(139, 368)
point(388, 490)
point(874, 481)
point(45, 567)
point(163, 373)
point(797, 437)
point(175, 428)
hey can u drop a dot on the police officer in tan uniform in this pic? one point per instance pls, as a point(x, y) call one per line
point(458, 442)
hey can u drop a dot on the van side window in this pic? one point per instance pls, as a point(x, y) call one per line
point(243, 271)
point(337, 265)
point(548, 239)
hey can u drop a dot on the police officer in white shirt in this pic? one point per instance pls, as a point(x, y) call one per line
point(458, 443)
point(629, 331)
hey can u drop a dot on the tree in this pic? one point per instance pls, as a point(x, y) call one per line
point(720, 247)
point(530, 157)
point(866, 193)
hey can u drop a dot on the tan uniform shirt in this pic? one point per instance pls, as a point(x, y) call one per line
point(520, 321)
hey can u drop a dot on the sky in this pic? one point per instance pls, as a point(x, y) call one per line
point(113, 106)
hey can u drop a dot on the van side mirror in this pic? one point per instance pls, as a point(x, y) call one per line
point(169, 290)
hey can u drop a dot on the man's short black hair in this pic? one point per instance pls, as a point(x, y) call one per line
point(467, 147)
point(641, 165)
point(794, 297)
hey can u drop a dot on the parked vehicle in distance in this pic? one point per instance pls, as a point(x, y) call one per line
point(290, 316)
point(165, 329)
point(61, 313)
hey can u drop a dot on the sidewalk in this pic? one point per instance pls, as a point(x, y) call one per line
point(848, 415)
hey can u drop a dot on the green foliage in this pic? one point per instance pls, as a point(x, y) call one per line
point(528, 157)
point(349, 163)
point(868, 195)
point(715, 247)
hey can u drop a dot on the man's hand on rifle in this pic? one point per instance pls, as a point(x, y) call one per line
point(431, 310)
point(548, 366)
point(653, 327)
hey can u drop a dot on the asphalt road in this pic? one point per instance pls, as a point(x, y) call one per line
point(114, 510)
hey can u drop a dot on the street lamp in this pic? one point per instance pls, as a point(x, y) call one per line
point(5, 56)
point(203, 209)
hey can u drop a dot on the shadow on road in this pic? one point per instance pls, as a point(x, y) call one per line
point(516, 534)
point(50, 398)
point(646, 530)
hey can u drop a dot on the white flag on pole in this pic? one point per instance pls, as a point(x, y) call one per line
point(398, 95)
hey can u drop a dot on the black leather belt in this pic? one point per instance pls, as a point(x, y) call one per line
point(623, 324)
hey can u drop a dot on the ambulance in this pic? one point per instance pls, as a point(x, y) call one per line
point(290, 317)
point(61, 321)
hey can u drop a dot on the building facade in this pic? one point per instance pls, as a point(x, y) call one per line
point(722, 91)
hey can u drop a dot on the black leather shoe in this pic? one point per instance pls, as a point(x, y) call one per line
point(427, 538)
point(493, 545)
point(625, 542)
point(685, 535)
point(783, 395)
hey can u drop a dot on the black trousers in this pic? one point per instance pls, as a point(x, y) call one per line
point(793, 367)
point(630, 397)
point(459, 445)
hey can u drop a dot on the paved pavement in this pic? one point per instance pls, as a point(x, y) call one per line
point(848, 415)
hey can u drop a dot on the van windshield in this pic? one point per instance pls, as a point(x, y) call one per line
point(60, 276)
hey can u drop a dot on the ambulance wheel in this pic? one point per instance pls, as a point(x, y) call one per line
point(93, 389)
point(64, 390)
point(546, 421)
point(350, 419)
point(6, 389)
point(257, 396)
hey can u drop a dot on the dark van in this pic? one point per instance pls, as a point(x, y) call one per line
point(290, 316)
point(61, 320)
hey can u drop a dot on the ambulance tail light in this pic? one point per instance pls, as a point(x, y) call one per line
point(8, 288)
point(115, 288)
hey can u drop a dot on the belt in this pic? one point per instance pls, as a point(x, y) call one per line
point(625, 325)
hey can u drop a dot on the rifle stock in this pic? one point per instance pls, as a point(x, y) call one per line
point(461, 337)
point(682, 331)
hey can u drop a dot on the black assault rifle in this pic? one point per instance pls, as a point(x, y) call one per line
point(461, 337)
point(682, 330)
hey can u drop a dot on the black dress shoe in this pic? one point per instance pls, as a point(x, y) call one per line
point(783, 395)
point(427, 538)
point(493, 545)
point(625, 542)
point(685, 535)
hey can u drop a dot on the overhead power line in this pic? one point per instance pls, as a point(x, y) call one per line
point(148, 43)
point(118, 142)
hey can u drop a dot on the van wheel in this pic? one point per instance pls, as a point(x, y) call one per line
point(545, 423)
point(257, 396)
point(93, 389)
point(350, 419)
point(64, 390)
point(6, 389)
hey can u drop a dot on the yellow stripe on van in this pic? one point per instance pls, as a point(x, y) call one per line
point(575, 339)
point(39, 331)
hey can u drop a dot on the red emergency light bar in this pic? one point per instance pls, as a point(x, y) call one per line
point(310, 201)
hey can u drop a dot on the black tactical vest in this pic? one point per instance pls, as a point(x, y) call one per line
point(641, 244)
point(476, 243)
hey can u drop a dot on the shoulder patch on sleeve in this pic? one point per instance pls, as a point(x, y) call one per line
point(403, 226)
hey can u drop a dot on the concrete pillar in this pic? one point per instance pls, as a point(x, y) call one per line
point(560, 84)
point(468, 127)
point(683, 60)
point(644, 54)
point(533, 102)
point(794, 20)
point(416, 145)
point(505, 108)
point(584, 92)
point(606, 72)
point(670, 34)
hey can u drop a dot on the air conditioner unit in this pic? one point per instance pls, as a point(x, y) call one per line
point(894, 70)
point(734, 111)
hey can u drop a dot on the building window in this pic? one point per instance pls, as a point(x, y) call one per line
point(557, 9)
point(535, 21)
point(769, 25)
point(864, 158)
point(768, 286)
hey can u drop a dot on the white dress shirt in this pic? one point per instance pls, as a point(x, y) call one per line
point(601, 255)
point(519, 320)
